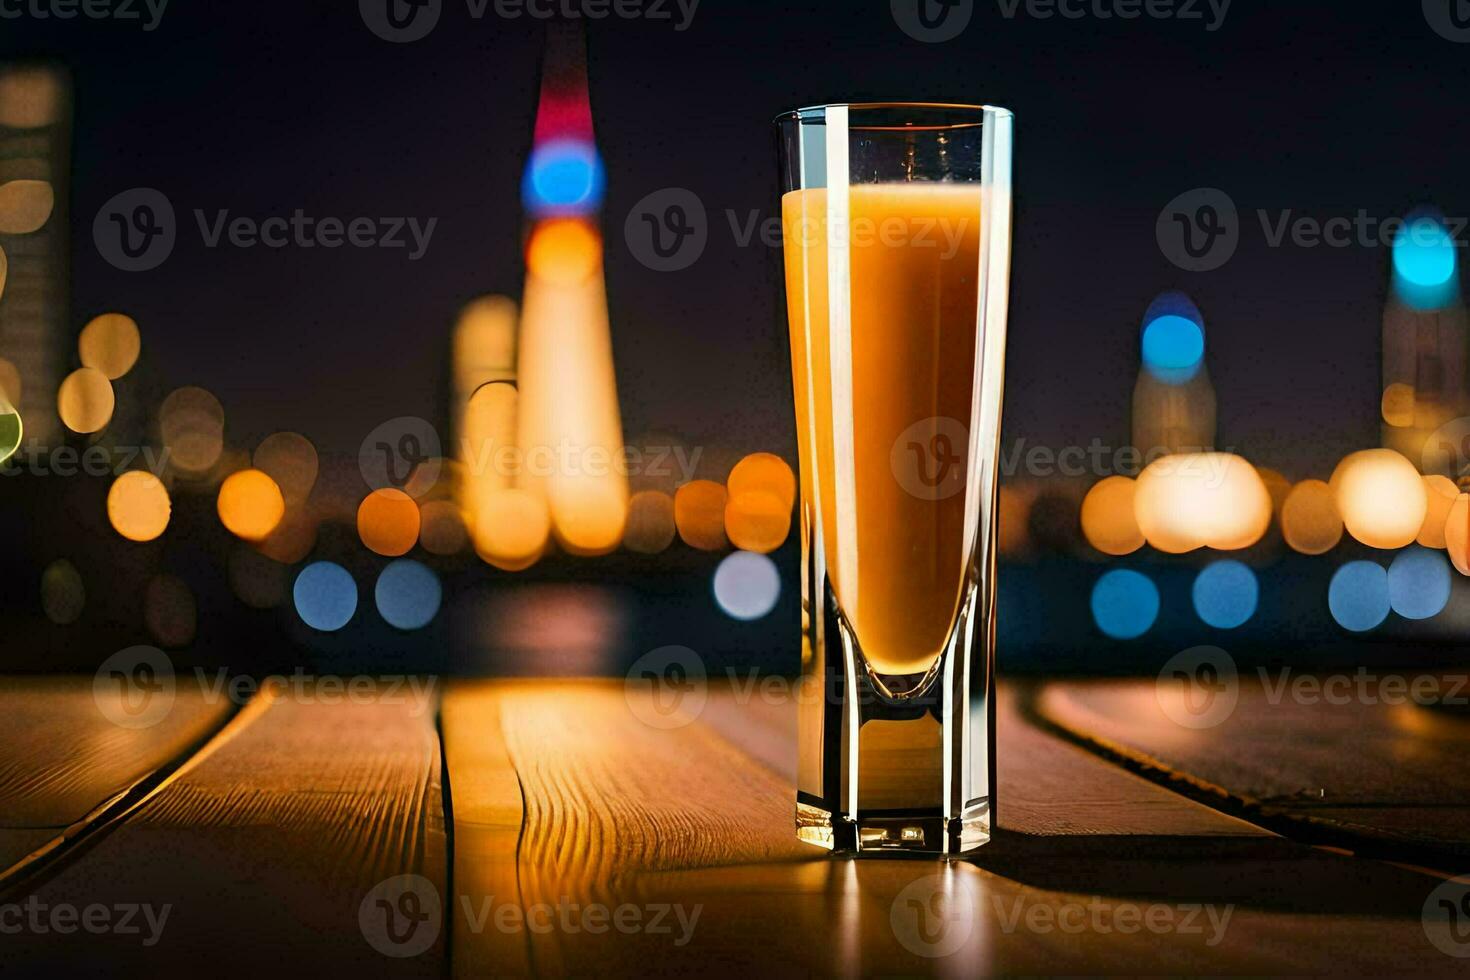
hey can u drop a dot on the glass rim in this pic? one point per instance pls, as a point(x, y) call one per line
point(966, 114)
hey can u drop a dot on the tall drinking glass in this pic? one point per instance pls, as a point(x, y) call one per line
point(897, 225)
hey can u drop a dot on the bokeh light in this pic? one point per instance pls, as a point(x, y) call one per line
point(1419, 583)
point(442, 530)
point(1381, 498)
point(169, 611)
point(325, 596)
point(85, 400)
point(1398, 405)
point(1125, 604)
point(192, 423)
point(747, 585)
point(1424, 262)
point(250, 505)
point(293, 539)
point(1441, 494)
point(1173, 347)
point(290, 459)
point(25, 205)
point(408, 594)
point(757, 521)
point(763, 473)
point(110, 343)
point(1108, 521)
point(563, 175)
point(650, 526)
point(63, 596)
point(1358, 596)
point(10, 382)
point(511, 529)
point(138, 506)
point(1196, 500)
point(1226, 594)
point(1310, 522)
point(30, 97)
point(1457, 534)
point(564, 251)
point(388, 522)
point(256, 579)
point(699, 514)
point(12, 428)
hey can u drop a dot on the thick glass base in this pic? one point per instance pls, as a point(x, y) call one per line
point(887, 833)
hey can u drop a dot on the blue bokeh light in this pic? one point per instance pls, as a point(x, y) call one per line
point(1358, 596)
point(408, 594)
point(1125, 604)
point(1226, 594)
point(1424, 262)
point(1172, 344)
point(1419, 583)
point(563, 176)
point(747, 585)
point(325, 595)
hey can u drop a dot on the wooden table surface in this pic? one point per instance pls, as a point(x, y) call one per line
point(543, 828)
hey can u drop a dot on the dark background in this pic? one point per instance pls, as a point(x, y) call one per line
point(262, 108)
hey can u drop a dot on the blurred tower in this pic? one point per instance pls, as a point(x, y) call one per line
point(569, 423)
point(35, 148)
point(1425, 404)
point(1174, 406)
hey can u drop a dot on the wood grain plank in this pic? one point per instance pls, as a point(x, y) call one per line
point(1360, 772)
point(621, 813)
point(61, 757)
point(267, 850)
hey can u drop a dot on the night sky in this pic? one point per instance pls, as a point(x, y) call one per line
point(264, 108)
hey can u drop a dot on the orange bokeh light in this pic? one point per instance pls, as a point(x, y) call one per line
point(388, 522)
point(250, 504)
point(564, 251)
